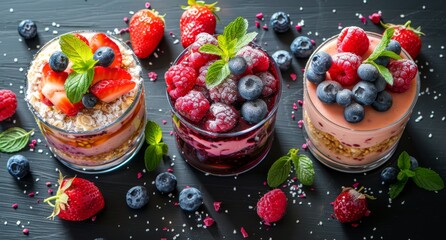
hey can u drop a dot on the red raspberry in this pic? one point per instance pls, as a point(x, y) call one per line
point(350, 205)
point(180, 79)
point(344, 68)
point(272, 206)
point(270, 83)
point(197, 59)
point(201, 79)
point(221, 118)
point(193, 106)
point(226, 92)
point(204, 91)
point(354, 40)
point(403, 71)
point(256, 59)
point(201, 39)
point(8, 104)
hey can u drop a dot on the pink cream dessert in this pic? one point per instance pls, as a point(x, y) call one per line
point(360, 146)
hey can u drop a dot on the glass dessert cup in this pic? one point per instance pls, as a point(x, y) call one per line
point(356, 147)
point(95, 148)
point(230, 153)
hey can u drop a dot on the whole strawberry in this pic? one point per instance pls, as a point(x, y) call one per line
point(198, 17)
point(350, 205)
point(272, 206)
point(408, 37)
point(146, 30)
point(8, 104)
point(77, 199)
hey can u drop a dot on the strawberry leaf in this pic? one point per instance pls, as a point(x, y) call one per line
point(14, 139)
point(217, 72)
point(211, 49)
point(77, 84)
point(153, 133)
point(428, 179)
point(279, 171)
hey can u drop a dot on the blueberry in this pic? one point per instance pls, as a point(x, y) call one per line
point(18, 166)
point(327, 90)
point(166, 182)
point(393, 46)
point(301, 47)
point(280, 22)
point(382, 102)
point(413, 163)
point(237, 65)
point(367, 72)
point(364, 93)
point(190, 199)
point(382, 61)
point(137, 197)
point(380, 83)
point(250, 87)
point(344, 97)
point(283, 59)
point(58, 61)
point(105, 56)
point(314, 77)
point(321, 62)
point(89, 100)
point(27, 29)
point(354, 113)
point(389, 174)
point(254, 111)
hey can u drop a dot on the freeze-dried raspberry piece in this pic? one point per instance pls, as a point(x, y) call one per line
point(270, 83)
point(201, 79)
point(403, 71)
point(344, 68)
point(221, 118)
point(225, 92)
point(256, 59)
point(193, 106)
point(354, 40)
point(180, 79)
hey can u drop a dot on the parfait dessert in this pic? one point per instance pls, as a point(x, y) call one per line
point(359, 92)
point(224, 101)
point(86, 93)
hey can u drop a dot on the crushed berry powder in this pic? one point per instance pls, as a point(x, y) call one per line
point(31, 194)
point(355, 185)
point(26, 231)
point(208, 221)
point(139, 175)
point(126, 19)
point(257, 24)
point(265, 27)
point(50, 191)
point(300, 102)
point(259, 16)
point(164, 122)
point(217, 206)
point(304, 146)
point(294, 106)
point(48, 184)
point(170, 170)
point(147, 5)
point(153, 76)
point(244, 233)
point(375, 17)
point(293, 76)
point(363, 19)
point(15, 205)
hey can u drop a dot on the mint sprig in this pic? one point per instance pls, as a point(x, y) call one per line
point(157, 149)
point(81, 57)
point(234, 38)
point(423, 177)
point(14, 139)
point(281, 168)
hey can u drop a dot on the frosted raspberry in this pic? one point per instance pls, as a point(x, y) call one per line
point(354, 40)
point(221, 118)
point(201, 39)
point(201, 79)
point(344, 68)
point(256, 59)
point(272, 206)
point(225, 92)
point(193, 106)
point(180, 79)
point(270, 83)
point(403, 71)
point(204, 91)
point(8, 104)
point(197, 59)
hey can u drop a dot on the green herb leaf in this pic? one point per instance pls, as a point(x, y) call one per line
point(153, 156)
point(14, 139)
point(76, 50)
point(403, 161)
point(390, 54)
point(217, 72)
point(164, 148)
point(279, 171)
point(245, 40)
point(236, 29)
point(85, 66)
point(381, 45)
point(211, 49)
point(408, 172)
point(384, 72)
point(77, 84)
point(428, 179)
point(153, 133)
point(304, 170)
point(397, 188)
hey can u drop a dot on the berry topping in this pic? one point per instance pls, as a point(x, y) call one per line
point(413, 163)
point(237, 65)
point(354, 40)
point(221, 118)
point(58, 61)
point(350, 205)
point(280, 22)
point(344, 68)
point(368, 72)
point(18, 166)
point(110, 90)
point(193, 106)
point(327, 91)
point(321, 62)
point(89, 100)
point(105, 56)
point(354, 113)
point(364, 93)
point(201, 79)
point(180, 79)
point(27, 29)
point(190, 199)
point(403, 71)
point(197, 59)
point(225, 92)
point(302, 47)
point(250, 87)
point(380, 83)
point(202, 39)
point(137, 197)
point(166, 182)
point(272, 206)
point(382, 102)
point(8, 104)
point(102, 40)
point(283, 59)
point(389, 174)
point(393, 46)
point(254, 111)
point(109, 73)
point(146, 30)
point(314, 77)
point(81, 37)
point(270, 83)
point(255, 58)
point(344, 97)
point(408, 37)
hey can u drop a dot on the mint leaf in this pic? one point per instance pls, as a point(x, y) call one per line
point(164, 148)
point(236, 29)
point(384, 72)
point(381, 45)
point(85, 66)
point(279, 172)
point(403, 161)
point(76, 50)
point(245, 40)
point(217, 72)
point(390, 54)
point(428, 179)
point(153, 156)
point(397, 188)
point(14, 139)
point(211, 49)
point(304, 170)
point(153, 133)
point(77, 84)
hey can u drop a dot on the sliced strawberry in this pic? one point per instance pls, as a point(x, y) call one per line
point(109, 90)
point(78, 35)
point(61, 102)
point(45, 100)
point(52, 81)
point(102, 40)
point(108, 73)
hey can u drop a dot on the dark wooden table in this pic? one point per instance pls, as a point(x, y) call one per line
point(415, 214)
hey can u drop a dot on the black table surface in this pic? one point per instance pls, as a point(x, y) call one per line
point(415, 214)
